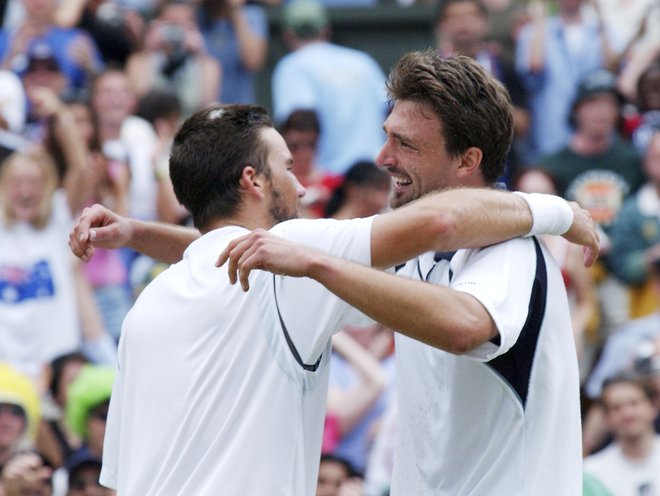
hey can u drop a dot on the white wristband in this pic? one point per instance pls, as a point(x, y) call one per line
point(550, 214)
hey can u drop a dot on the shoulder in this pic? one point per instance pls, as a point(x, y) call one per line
point(256, 15)
point(513, 247)
point(322, 232)
point(600, 461)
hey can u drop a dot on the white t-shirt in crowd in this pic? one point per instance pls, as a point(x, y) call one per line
point(505, 418)
point(38, 306)
point(623, 476)
point(210, 397)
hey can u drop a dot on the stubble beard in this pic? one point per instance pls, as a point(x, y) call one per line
point(278, 211)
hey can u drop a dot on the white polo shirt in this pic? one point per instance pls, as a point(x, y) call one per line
point(210, 397)
point(504, 420)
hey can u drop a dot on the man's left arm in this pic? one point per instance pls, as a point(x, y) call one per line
point(474, 218)
point(441, 317)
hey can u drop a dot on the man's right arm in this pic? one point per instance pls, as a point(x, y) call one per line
point(101, 227)
point(474, 218)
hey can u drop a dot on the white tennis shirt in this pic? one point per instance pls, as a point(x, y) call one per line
point(504, 420)
point(210, 398)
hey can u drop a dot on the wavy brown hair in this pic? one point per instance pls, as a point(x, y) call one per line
point(473, 107)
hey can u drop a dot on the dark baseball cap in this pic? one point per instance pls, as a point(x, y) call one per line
point(599, 81)
point(306, 18)
point(40, 55)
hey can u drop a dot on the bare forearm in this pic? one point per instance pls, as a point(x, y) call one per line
point(252, 49)
point(462, 218)
point(68, 13)
point(159, 240)
point(438, 316)
point(350, 405)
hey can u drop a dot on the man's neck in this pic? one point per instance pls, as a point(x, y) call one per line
point(250, 222)
point(638, 448)
point(586, 144)
point(5, 454)
point(573, 16)
point(109, 131)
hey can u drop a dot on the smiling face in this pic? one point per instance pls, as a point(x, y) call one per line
point(463, 24)
point(24, 188)
point(112, 98)
point(414, 153)
point(285, 189)
point(598, 114)
point(628, 411)
point(12, 425)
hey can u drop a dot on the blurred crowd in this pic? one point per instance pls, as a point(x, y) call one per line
point(92, 93)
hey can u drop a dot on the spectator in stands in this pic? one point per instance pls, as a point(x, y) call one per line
point(461, 28)
point(598, 170)
point(107, 180)
point(38, 304)
point(13, 113)
point(22, 472)
point(580, 286)
point(337, 478)
point(55, 440)
point(346, 88)
point(74, 50)
point(26, 474)
point(636, 235)
point(83, 477)
point(133, 139)
point(362, 373)
point(42, 71)
point(301, 132)
point(175, 59)
point(115, 27)
point(621, 348)
point(162, 109)
point(648, 105)
point(506, 19)
point(87, 403)
point(12, 102)
point(553, 55)
point(236, 34)
point(20, 409)
point(363, 192)
point(631, 464)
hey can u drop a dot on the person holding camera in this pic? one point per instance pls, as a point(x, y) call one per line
point(174, 59)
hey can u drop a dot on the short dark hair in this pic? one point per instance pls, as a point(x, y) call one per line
point(627, 378)
point(305, 120)
point(351, 471)
point(57, 366)
point(208, 155)
point(473, 107)
point(441, 10)
point(364, 174)
point(158, 104)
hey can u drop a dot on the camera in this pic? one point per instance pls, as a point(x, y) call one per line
point(173, 37)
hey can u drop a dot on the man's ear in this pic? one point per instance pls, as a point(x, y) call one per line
point(253, 182)
point(470, 162)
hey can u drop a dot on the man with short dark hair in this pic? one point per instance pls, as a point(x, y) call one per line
point(487, 378)
point(631, 464)
point(204, 362)
point(343, 85)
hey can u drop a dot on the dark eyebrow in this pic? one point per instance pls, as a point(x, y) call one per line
point(404, 139)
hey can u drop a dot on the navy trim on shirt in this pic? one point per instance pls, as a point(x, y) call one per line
point(289, 342)
point(515, 366)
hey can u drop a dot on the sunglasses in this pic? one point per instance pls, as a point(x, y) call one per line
point(11, 409)
point(80, 483)
point(99, 415)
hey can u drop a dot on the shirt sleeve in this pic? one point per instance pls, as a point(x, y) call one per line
point(311, 313)
point(500, 277)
